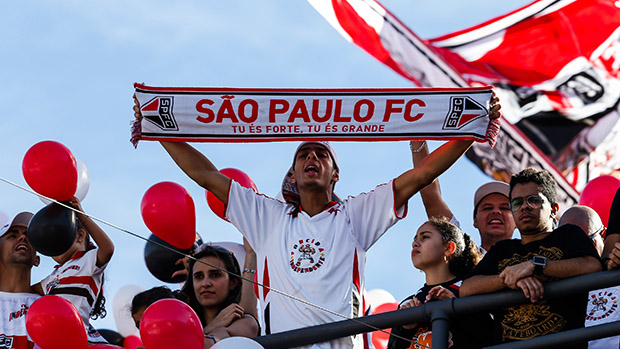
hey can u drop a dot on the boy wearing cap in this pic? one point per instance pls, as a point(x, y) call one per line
point(17, 257)
point(315, 250)
point(492, 215)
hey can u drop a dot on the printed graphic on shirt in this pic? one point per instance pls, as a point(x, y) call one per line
point(307, 256)
point(18, 313)
point(6, 342)
point(424, 338)
point(601, 305)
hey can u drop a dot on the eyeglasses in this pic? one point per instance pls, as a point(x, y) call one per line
point(602, 230)
point(533, 201)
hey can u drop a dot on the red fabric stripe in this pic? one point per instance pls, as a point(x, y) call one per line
point(265, 279)
point(84, 280)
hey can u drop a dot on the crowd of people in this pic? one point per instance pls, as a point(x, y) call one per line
point(312, 245)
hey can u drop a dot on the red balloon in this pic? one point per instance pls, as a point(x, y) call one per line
point(380, 339)
point(132, 342)
point(53, 323)
point(598, 195)
point(50, 169)
point(103, 346)
point(241, 177)
point(170, 323)
point(168, 211)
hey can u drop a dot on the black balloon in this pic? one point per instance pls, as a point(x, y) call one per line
point(52, 230)
point(161, 261)
point(112, 337)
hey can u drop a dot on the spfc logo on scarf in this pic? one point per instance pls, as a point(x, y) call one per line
point(462, 111)
point(307, 256)
point(159, 111)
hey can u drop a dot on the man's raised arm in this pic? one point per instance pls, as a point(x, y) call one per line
point(194, 164)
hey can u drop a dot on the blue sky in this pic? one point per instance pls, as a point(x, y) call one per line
point(68, 69)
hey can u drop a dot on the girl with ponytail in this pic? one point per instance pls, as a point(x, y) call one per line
point(446, 256)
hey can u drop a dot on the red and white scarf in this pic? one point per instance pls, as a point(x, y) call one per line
point(264, 115)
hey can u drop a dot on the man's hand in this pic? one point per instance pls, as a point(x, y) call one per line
point(532, 288)
point(494, 112)
point(614, 257)
point(512, 274)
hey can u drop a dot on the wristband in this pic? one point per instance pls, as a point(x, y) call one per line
point(212, 337)
point(417, 150)
point(246, 270)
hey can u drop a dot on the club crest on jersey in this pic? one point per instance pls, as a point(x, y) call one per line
point(601, 305)
point(307, 256)
point(6, 342)
point(463, 110)
point(159, 111)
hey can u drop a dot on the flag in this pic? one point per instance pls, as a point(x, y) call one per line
point(553, 64)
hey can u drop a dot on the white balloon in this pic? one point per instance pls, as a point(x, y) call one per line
point(236, 248)
point(237, 343)
point(122, 310)
point(83, 182)
point(377, 296)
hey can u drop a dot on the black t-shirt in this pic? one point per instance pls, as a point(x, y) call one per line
point(613, 226)
point(547, 315)
point(460, 335)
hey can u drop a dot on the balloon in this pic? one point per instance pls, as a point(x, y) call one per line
point(132, 342)
point(161, 262)
point(111, 336)
point(380, 339)
point(237, 343)
point(377, 296)
point(170, 323)
point(122, 309)
point(236, 248)
point(598, 195)
point(53, 323)
point(52, 230)
point(103, 346)
point(241, 177)
point(168, 211)
point(83, 183)
point(51, 170)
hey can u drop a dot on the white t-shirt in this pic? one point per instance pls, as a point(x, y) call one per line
point(13, 309)
point(603, 308)
point(79, 281)
point(319, 259)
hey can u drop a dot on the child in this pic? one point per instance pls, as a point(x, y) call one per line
point(78, 277)
point(446, 256)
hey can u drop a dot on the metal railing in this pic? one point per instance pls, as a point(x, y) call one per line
point(439, 314)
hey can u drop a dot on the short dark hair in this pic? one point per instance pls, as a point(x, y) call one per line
point(234, 275)
point(145, 298)
point(542, 178)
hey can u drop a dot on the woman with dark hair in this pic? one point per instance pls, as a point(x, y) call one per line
point(446, 256)
point(213, 289)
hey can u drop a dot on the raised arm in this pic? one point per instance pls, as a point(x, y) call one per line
point(194, 164)
point(431, 194)
point(436, 163)
point(101, 239)
point(248, 297)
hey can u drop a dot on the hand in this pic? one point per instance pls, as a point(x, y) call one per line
point(75, 203)
point(516, 272)
point(225, 317)
point(532, 288)
point(136, 108)
point(183, 272)
point(439, 293)
point(614, 257)
point(495, 113)
point(414, 302)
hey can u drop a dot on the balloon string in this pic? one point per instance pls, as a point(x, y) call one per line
point(374, 328)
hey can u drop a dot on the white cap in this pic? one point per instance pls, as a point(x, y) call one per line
point(21, 219)
point(487, 189)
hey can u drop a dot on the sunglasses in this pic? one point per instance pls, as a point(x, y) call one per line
point(602, 231)
point(533, 201)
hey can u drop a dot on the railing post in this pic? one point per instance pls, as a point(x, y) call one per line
point(440, 323)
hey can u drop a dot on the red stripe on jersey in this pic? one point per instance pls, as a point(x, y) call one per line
point(84, 280)
point(265, 279)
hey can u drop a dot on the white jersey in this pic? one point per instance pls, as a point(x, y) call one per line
point(319, 259)
point(79, 281)
point(13, 309)
point(603, 308)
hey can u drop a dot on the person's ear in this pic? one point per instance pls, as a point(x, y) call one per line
point(476, 221)
point(450, 248)
point(81, 235)
point(37, 260)
point(335, 176)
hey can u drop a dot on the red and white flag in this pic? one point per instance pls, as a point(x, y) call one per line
point(553, 64)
